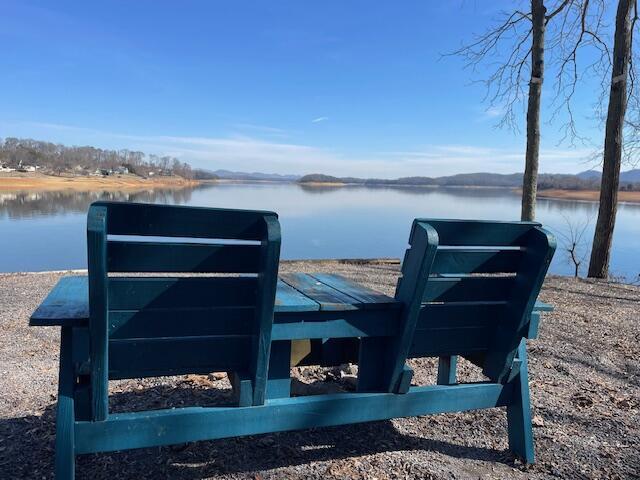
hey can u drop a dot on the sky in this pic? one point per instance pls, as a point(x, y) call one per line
point(338, 87)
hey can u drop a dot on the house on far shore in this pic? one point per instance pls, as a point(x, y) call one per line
point(26, 168)
point(122, 170)
point(6, 168)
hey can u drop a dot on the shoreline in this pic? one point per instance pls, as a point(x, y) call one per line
point(587, 195)
point(553, 193)
point(49, 183)
point(42, 183)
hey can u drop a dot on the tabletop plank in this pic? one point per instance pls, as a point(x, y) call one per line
point(328, 297)
point(288, 299)
point(364, 297)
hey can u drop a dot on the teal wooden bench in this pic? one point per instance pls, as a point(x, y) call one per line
point(468, 289)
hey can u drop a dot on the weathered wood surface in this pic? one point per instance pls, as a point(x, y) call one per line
point(448, 303)
point(68, 303)
point(166, 427)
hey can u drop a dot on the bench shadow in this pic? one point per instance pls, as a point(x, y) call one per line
point(631, 376)
point(27, 446)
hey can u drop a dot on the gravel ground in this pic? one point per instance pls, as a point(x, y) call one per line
point(585, 385)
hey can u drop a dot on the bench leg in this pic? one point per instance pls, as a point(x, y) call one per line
point(519, 412)
point(65, 456)
point(447, 367)
point(372, 363)
point(242, 388)
point(279, 379)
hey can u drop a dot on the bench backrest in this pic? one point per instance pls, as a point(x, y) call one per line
point(470, 287)
point(202, 300)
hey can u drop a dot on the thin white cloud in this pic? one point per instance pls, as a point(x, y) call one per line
point(245, 152)
point(260, 129)
point(319, 119)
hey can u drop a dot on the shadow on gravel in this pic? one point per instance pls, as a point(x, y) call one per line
point(601, 296)
point(27, 447)
point(625, 372)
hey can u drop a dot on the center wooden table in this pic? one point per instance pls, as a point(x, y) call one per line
point(318, 319)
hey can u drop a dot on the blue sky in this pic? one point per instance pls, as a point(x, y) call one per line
point(339, 87)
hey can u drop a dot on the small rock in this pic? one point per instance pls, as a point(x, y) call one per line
point(217, 376)
point(350, 380)
point(537, 421)
point(349, 369)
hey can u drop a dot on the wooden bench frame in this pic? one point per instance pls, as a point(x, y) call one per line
point(264, 404)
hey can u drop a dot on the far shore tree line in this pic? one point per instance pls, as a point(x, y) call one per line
point(56, 159)
point(546, 181)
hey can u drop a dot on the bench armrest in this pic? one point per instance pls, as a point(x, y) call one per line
point(534, 319)
point(67, 305)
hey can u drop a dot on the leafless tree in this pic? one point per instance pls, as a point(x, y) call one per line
point(622, 83)
point(514, 53)
point(573, 242)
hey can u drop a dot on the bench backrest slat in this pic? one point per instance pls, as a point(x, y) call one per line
point(177, 221)
point(129, 256)
point(210, 310)
point(467, 233)
point(476, 260)
point(468, 288)
point(138, 293)
point(181, 322)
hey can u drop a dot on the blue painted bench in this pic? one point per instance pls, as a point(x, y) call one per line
point(468, 289)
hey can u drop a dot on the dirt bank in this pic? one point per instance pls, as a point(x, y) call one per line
point(591, 195)
point(585, 387)
point(39, 182)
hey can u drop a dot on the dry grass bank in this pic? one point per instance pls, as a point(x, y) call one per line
point(12, 182)
point(590, 195)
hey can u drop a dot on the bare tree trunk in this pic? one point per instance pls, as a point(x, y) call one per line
point(530, 179)
point(601, 250)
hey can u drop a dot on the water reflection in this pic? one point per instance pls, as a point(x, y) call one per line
point(20, 205)
point(46, 230)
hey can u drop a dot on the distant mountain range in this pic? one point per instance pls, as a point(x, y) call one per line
point(631, 176)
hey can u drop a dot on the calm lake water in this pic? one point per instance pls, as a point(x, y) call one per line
point(46, 231)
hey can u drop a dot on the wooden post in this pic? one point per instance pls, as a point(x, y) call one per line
point(279, 383)
point(65, 428)
point(519, 411)
point(447, 367)
point(98, 307)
